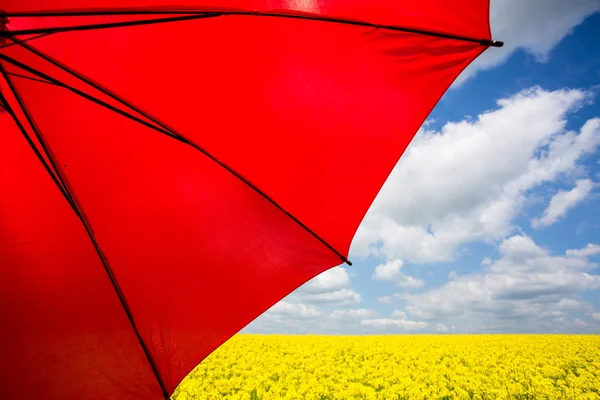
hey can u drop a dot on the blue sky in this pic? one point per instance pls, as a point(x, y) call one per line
point(510, 241)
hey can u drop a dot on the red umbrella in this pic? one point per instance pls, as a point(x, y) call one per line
point(170, 171)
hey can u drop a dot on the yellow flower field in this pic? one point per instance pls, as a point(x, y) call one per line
point(399, 367)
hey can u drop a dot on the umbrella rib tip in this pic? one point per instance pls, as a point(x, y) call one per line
point(491, 43)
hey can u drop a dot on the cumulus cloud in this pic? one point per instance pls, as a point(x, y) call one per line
point(286, 316)
point(387, 323)
point(332, 287)
point(526, 288)
point(596, 316)
point(295, 310)
point(354, 313)
point(410, 282)
point(391, 272)
point(300, 320)
point(533, 26)
point(591, 249)
point(475, 176)
point(563, 201)
point(389, 299)
point(308, 309)
point(338, 297)
point(331, 280)
point(397, 321)
point(441, 328)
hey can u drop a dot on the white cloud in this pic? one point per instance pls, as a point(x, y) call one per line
point(563, 201)
point(590, 250)
point(385, 299)
point(295, 310)
point(398, 320)
point(390, 271)
point(308, 308)
point(569, 304)
point(534, 26)
point(389, 299)
point(441, 328)
point(410, 282)
point(338, 297)
point(301, 320)
point(525, 288)
point(354, 313)
point(387, 323)
point(580, 322)
point(469, 181)
point(305, 318)
point(331, 280)
point(596, 316)
point(331, 287)
point(285, 317)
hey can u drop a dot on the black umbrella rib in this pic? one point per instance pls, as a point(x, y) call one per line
point(170, 133)
point(62, 185)
point(108, 25)
point(51, 169)
point(188, 15)
point(29, 78)
point(4, 104)
point(91, 83)
point(4, 46)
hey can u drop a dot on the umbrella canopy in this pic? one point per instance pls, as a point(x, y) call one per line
point(170, 170)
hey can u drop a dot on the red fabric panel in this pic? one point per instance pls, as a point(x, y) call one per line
point(64, 334)
point(314, 114)
point(197, 253)
point(464, 17)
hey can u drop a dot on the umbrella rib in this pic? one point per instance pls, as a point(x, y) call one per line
point(108, 25)
point(63, 186)
point(51, 169)
point(4, 104)
point(173, 134)
point(4, 46)
point(215, 13)
point(29, 78)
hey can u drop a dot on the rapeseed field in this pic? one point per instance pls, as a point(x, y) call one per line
point(399, 367)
